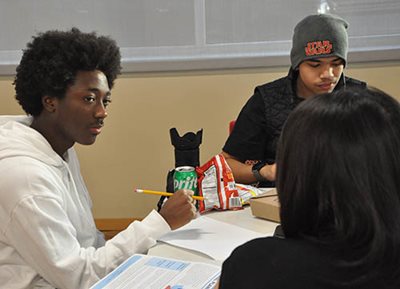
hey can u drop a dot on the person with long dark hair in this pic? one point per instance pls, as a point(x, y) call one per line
point(338, 168)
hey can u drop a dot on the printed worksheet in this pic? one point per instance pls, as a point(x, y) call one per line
point(143, 271)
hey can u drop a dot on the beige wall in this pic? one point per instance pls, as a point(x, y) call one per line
point(134, 149)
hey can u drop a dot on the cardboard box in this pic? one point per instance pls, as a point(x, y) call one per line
point(266, 206)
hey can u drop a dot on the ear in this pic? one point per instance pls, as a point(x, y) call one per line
point(49, 103)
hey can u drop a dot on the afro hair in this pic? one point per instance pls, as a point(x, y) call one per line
point(51, 61)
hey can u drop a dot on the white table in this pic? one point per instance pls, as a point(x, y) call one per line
point(242, 218)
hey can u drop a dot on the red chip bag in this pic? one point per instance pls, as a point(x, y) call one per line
point(217, 185)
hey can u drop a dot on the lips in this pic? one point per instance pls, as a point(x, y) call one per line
point(96, 129)
point(326, 86)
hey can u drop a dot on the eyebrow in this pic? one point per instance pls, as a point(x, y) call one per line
point(317, 60)
point(96, 90)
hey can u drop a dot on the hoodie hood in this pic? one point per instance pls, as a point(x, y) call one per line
point(18, 139)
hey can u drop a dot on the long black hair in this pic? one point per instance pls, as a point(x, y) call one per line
point(338, 176)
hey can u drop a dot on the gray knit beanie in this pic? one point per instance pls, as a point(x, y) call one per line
point(317, 36)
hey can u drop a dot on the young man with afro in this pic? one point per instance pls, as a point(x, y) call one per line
point(48, 237)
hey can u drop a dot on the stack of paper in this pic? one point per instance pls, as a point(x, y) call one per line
point(143, 271)
point(214, 238)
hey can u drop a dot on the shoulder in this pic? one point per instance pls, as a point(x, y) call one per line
point(23, 119)
point(280, 83)
point(276, 92)
point(25, 186)
point(271, 258)
point(24, 177)
point(275, 253)
point(278, 244)
point(265, 248)
point(352, 82)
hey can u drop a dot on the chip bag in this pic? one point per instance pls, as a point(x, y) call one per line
point(217, 185)
point(246, 192)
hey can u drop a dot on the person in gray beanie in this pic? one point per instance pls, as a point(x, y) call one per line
point(318, 58)
point(317, 36)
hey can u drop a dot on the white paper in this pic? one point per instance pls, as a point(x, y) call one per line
point(214, 238)
point(143, 271)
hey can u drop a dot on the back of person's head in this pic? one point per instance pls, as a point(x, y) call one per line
point(316, 36)
point(51, 61)
point(338, 175)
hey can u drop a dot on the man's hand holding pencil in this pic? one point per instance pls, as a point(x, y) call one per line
point(179, 209)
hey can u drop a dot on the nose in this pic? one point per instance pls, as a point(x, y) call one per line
point(327, 72)
point(101, 111)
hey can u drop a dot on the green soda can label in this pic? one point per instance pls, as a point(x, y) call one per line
point(185, 178)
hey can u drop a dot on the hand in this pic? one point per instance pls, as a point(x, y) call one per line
point(269, 172)
point(179, 209)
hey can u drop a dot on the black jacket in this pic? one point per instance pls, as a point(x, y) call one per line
point(259, 124)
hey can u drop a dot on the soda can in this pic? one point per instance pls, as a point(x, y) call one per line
point(185, 178)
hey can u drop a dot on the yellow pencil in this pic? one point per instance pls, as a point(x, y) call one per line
point(199, 198)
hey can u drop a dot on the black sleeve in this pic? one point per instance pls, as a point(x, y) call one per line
point(247, 140)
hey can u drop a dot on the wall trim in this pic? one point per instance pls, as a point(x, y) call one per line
point(110, 227)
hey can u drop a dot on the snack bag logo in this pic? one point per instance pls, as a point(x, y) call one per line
point(318, 47)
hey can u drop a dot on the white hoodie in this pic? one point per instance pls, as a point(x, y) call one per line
point(47, 234)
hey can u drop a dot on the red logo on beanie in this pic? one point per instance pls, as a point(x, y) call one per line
point(318, 48)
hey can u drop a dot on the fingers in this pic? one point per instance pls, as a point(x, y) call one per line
point(179, 209)
point(194, 211)
point(189, 194)
point(185, 192)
